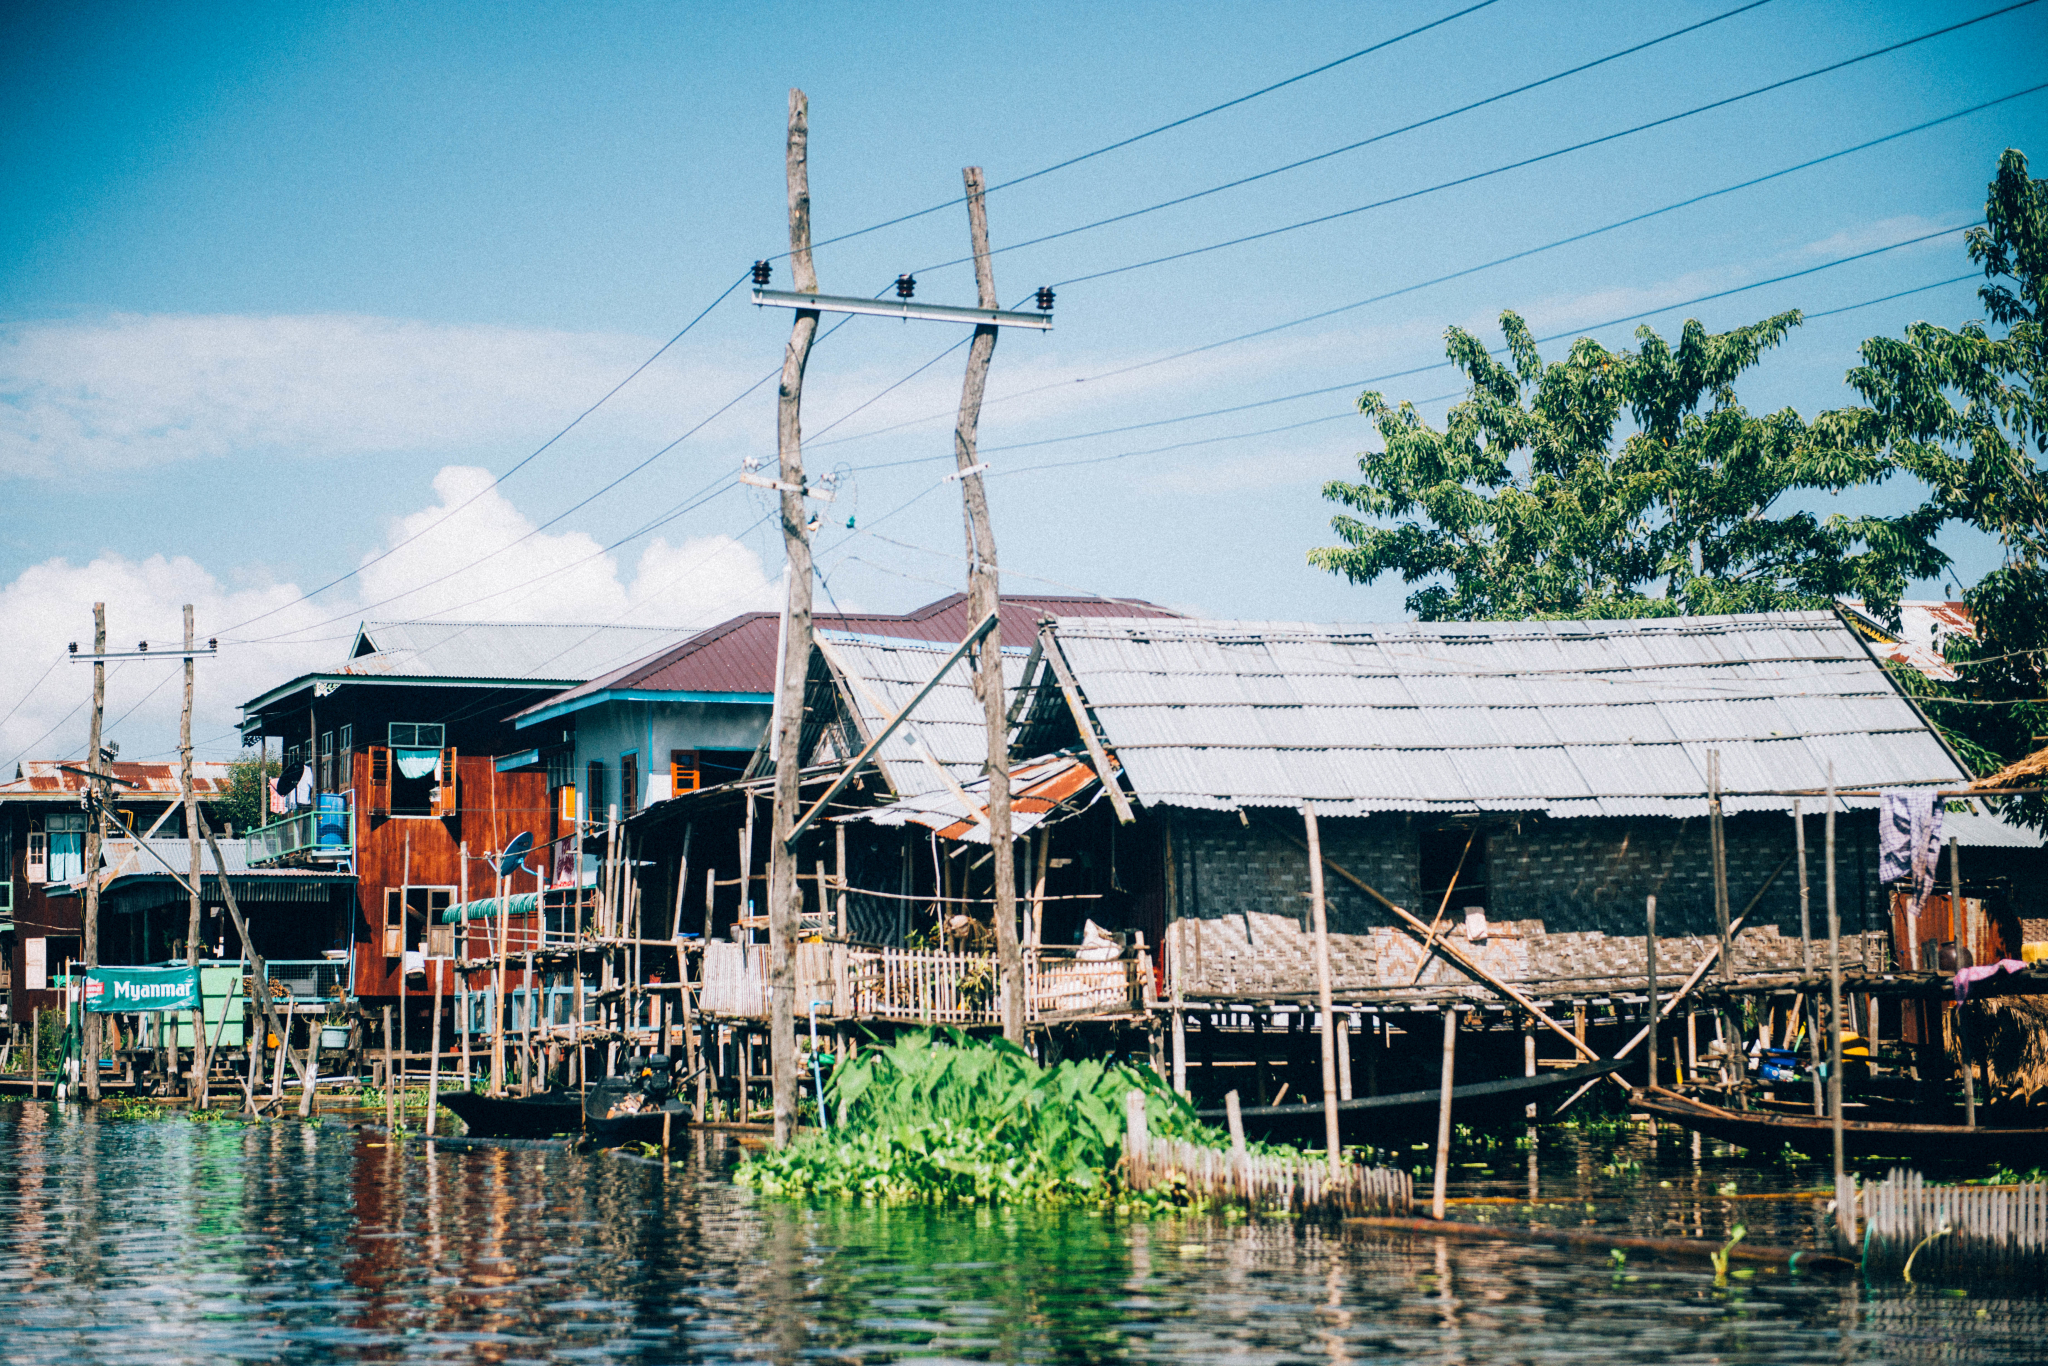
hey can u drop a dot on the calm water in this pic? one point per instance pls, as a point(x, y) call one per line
point(162, 1241)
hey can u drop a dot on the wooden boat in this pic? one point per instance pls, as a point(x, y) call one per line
point(1375, 1119)
point(1814, 1135)
point(537, 1116)
point(606, 1128)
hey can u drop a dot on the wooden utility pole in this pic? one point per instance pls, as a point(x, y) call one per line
point(785, 894)
point(195, 925)
point(95, 829)
point(983, 596)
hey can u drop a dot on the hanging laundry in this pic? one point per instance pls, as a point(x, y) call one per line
point(1909, 846)
point(284, 787)
point(302, 791)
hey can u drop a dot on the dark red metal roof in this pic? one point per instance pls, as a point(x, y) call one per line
point(43, 778)
point(738, 656)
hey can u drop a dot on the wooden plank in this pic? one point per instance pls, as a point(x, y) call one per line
point(1096, 755)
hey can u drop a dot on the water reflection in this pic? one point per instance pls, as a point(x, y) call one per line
point(168, 1241)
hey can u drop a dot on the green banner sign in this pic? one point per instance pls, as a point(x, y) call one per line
point(116, 991)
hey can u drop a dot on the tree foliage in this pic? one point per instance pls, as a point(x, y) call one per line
point(242, 805)
point(1616, 484)
point(1967, 412)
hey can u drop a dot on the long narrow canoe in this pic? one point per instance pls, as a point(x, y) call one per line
point(1370, 1119)
point(1814, 1136)
point(541, 1116)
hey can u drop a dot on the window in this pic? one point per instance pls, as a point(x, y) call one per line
point(347, 751)
point(1453, 861)
point(593, 791)
point(685, 775)
point(629, 783)
point(408, 911)
point(326, 778)
point(66, 831)
point(421, 778)
point(417, 735)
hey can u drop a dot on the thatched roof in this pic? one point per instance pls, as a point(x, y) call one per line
point(2034, 766)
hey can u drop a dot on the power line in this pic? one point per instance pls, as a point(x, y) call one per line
point(1363, 142)
point(535, 454)
point(1438, 365)
point(1523, 254)
point(1397, 374)
point(1543, 156)
point(31, 690)
point(1154, 132)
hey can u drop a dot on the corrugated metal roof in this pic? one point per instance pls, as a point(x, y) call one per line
point(949, 722)
point(42, 778)
point(1974, 831)
point(540, 651)
point(1048, 788)
point(738, 656)
point(160, 857)
point(1568, 718)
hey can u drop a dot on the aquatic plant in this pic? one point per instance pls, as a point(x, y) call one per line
point(937, 1116)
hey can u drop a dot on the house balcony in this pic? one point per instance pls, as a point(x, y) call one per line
point(319, 836)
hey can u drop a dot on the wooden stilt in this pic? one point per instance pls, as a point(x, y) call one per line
point(1443, 1117)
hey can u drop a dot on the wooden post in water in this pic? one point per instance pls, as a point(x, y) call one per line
point(390, 1082)
point(1731, 1035)
point(1845, 1194)
point(1806, 960)
point(1650, 976)
point(1529, 1063)
point(1319, 911)
point(35, 1054)
point(498, 995)
point(1240, 1159)
point(1443, 1116)
point(1959, 927)
point(1344, 1055)
point(434, 1062)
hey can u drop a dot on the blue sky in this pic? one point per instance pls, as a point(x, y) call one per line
point(281, 285)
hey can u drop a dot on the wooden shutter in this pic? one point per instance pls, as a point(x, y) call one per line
point(445, 786)
point(566, 810)
point(394, 922)
point(380, 779)
point(629, 783)
point(38, 856)
point(684, 774)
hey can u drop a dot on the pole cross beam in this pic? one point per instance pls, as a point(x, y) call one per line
point(894, 308)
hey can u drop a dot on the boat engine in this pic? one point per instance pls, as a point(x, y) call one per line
point(656, 1078)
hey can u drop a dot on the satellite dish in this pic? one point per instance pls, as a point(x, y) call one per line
point(514, 854)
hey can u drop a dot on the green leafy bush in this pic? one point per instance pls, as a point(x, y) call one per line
point(937, 1116)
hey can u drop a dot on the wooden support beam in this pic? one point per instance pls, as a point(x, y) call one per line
point(1463, 960)
point(1097, 756)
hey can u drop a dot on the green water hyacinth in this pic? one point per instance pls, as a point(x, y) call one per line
point(936, 1116)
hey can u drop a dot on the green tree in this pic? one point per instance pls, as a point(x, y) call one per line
point(1531, 502)
point(1967, 412)
point(242, 805)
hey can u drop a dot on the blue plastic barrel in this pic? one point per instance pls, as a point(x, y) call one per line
point(331, 824)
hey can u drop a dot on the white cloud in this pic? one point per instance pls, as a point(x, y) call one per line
point(537, 576)
point(134, 391)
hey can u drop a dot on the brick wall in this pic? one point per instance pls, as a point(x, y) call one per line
point(1566, 897)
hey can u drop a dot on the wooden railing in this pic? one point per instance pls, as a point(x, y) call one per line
point(929, 986)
